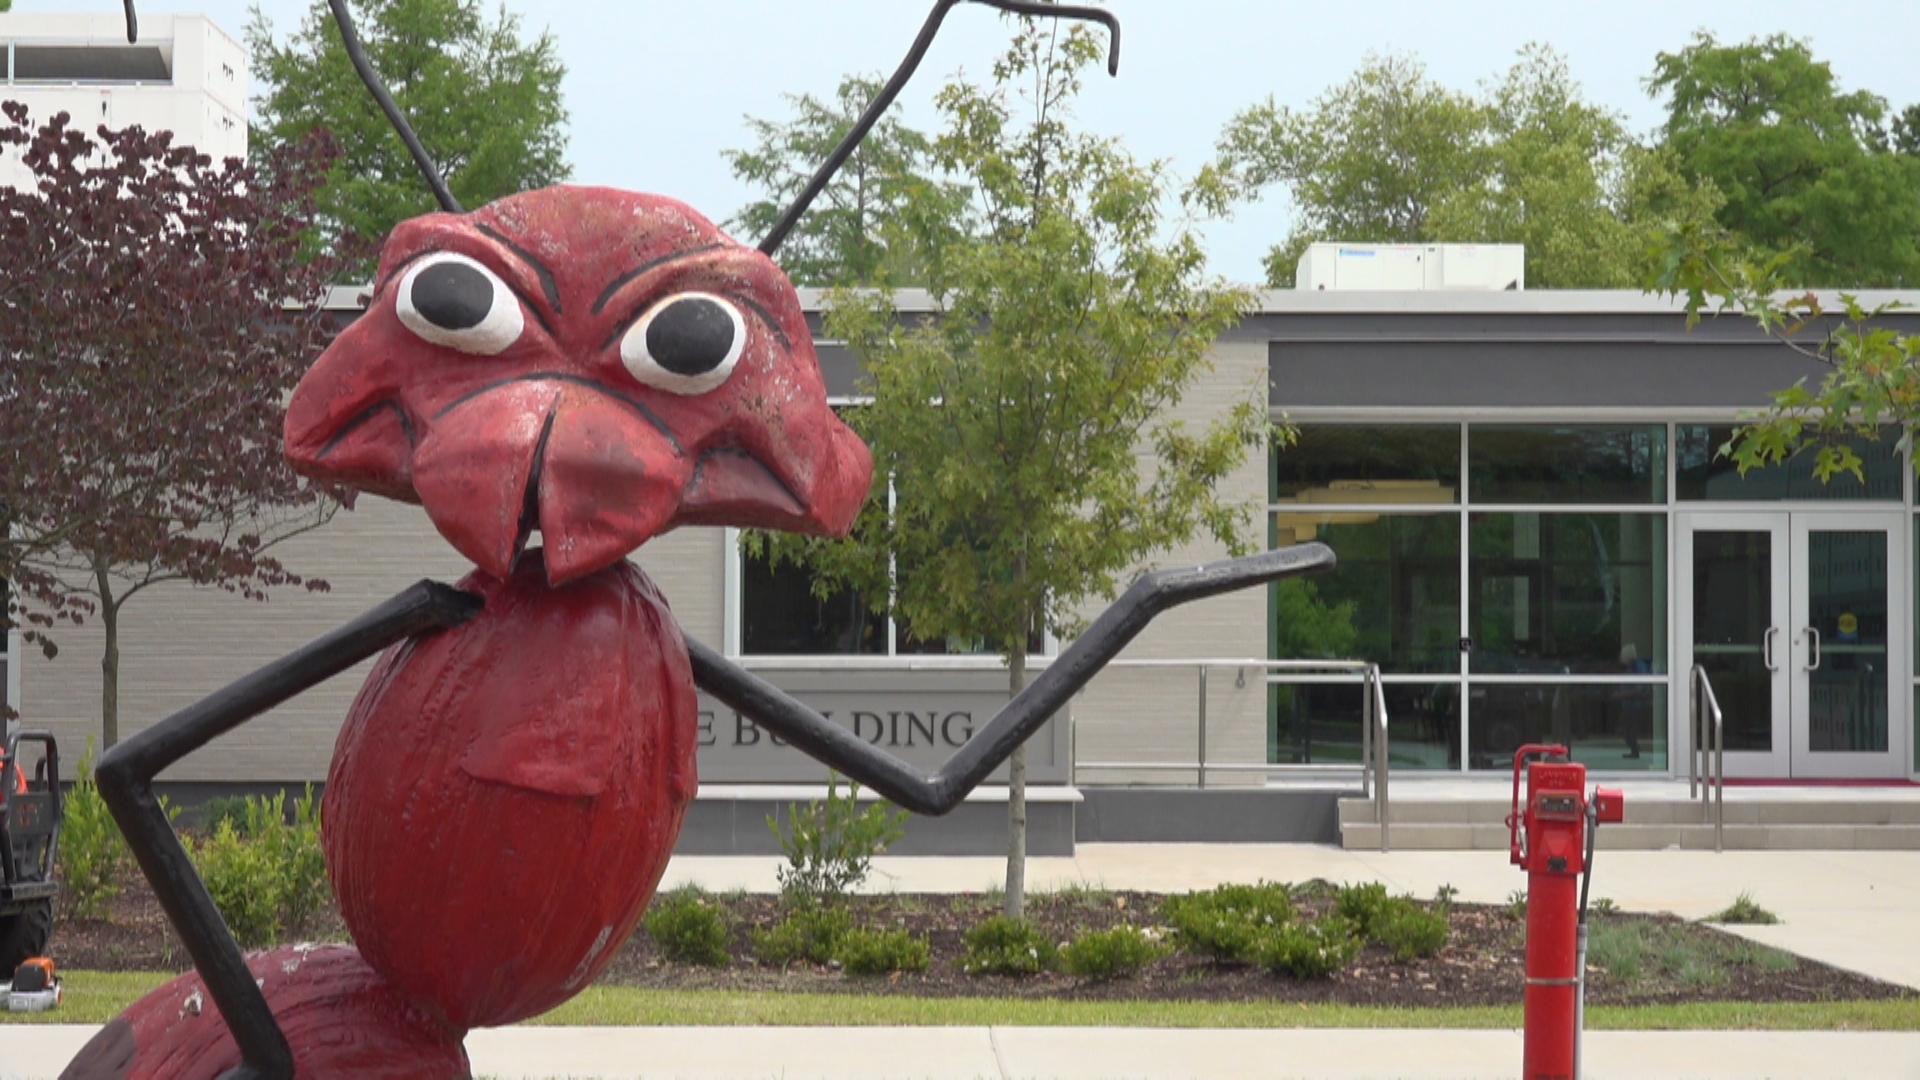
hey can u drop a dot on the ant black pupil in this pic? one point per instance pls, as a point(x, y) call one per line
point(690, 336)
point(452, 295)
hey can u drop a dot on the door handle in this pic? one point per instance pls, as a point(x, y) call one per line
point(1813, 649)
point(1766, 649)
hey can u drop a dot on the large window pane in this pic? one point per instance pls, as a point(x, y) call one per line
point(1319, 724)
point(1567, 463)
point(1394, 599)
point(780, 616)
point(1557, 593)
point(1618, 727)
point(1354, 464)
point(1703, 473)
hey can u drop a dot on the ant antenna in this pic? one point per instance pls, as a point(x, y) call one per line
point(351, 39)
point(879, 104)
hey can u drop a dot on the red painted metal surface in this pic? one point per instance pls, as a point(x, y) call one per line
point(504, 796)
point(340, 1018)
point(1550, 845)
point(468, 436)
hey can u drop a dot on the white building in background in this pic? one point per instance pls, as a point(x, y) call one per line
point(185, 75)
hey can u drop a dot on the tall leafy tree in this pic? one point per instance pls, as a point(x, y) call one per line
point(1390, 156)
point(840, 240)
point(1806, 169)
point(485, 103)
point(153, 317)
point(1075, 316)
point(1366, 161)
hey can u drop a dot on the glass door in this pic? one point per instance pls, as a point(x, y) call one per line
point(1799, 621)
point(1849, 646)
point(1733, 614)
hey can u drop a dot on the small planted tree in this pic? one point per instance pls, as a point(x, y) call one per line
point(154, 314)
point(1011, 430)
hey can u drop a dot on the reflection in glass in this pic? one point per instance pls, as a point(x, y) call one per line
point(780, 616)
point(1847, 609)
point(1703, 473)
point(1394, 599)
point(1568, 593)
point(1319, 724)
point(1343, 463)
point(1732, 614)
point(1567, 463)
point(1619, 726)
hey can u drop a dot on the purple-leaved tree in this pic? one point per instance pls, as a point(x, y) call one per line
point(155, 312)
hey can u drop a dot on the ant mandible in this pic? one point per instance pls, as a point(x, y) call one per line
point(506, 790)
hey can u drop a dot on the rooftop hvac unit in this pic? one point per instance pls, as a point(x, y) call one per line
point(1412, 268)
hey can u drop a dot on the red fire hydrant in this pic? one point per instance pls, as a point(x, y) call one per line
point(1552, 840)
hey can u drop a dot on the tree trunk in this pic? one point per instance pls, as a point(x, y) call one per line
point(1016, 897)
point(109, 657)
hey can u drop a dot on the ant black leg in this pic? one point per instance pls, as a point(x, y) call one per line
point(835, 746)
point(125, 777)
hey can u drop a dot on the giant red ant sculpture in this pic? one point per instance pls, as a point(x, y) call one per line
point(602, 366)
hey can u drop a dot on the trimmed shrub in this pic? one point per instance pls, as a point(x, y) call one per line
point(1110, 954)
point(1003, 946)
point(1226, 923)
point(93, 856)
point(245, 881)
point(830, 844)
point(881, 952)
point(1309, 950)
point(1410, 931)
point(811, 932)
point(688, 929)
point(1362, 905)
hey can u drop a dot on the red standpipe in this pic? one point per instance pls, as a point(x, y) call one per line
point(1548, 839)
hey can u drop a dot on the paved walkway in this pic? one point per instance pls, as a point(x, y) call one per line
point(1852, 909)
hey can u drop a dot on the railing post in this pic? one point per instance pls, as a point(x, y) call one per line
point(1381, 748)
point(1366, 737)
point(1693, 734)
point(1203, 727)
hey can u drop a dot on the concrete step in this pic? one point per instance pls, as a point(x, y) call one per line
point(1742, 808)
point(1416, 836)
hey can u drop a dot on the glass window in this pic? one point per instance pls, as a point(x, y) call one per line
point(1704, 473)
point(1394, 599)
point(1510, 463)
point(780, 616)
point(1615, 727)
point(1567, 593)
point(1319, 724)
point(1344, 463)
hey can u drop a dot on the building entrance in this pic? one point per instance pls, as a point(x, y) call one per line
point(1800, 621)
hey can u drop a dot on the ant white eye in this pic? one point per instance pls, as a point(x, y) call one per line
point(452, 300)
point(685, 344)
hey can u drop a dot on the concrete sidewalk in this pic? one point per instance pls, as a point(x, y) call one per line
point(1852, 909)
point(1014, 1053)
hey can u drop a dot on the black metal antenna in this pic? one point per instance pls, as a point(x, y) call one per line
point(879, 105)
point(133, 24)
point(351, 39)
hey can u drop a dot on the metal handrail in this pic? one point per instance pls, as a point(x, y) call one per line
point(1373, 727)
point(1703, 705)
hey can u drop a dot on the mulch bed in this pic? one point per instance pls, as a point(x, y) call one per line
point(1481, 964)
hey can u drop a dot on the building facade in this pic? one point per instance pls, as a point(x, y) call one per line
point(185, 75)
point(1538, 540)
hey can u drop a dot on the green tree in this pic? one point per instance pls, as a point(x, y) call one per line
point(1390, 156)
point(1075, 318)
point(1804, 168)
point(485, 104)
point(839, 241)
point(1565, 179)
point(1366, 161)
point(1874, 376)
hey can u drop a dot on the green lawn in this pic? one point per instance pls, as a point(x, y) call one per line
point(94, 997)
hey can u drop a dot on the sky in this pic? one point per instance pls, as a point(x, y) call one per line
point(657, 89)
